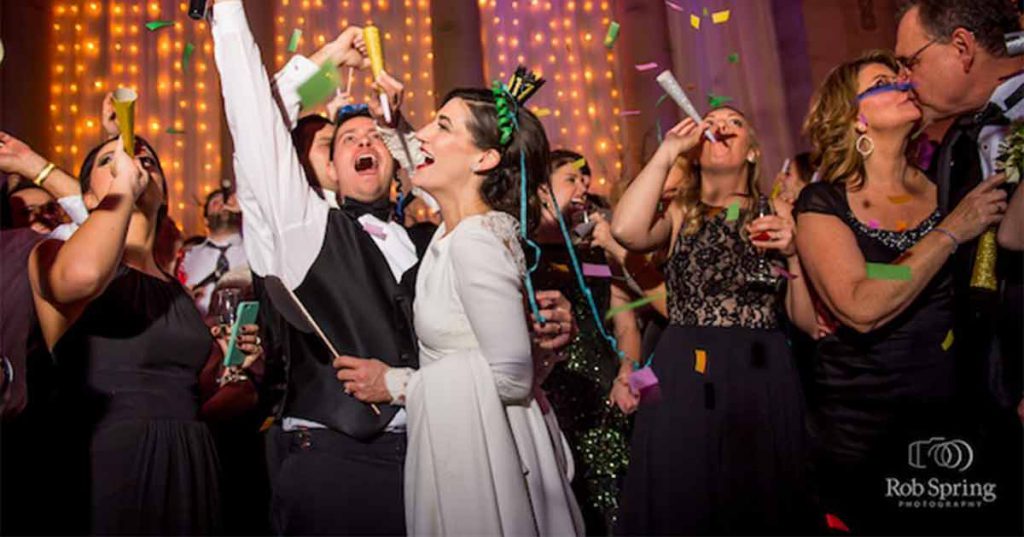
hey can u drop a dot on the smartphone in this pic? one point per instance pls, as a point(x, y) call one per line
point(246, 315)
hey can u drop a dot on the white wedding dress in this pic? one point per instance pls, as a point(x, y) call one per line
point(482, 460)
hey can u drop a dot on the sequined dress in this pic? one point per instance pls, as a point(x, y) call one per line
point(578, 390)
point(722, 451)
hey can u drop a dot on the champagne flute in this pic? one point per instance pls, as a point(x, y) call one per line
point(224, 306)
point(765, 274)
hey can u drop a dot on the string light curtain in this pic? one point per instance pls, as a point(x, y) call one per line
point(739, 60)
point(563, 41)
point(405, 35)
point(103, 45)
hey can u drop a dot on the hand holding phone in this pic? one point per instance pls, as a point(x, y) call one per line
point(247, 312)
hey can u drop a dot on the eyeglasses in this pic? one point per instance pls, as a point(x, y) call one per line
point(908, 63)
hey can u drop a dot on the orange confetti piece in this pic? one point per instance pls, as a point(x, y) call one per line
point(899, 200)
point(700, 363)
point(267, 423)
point(901, 225)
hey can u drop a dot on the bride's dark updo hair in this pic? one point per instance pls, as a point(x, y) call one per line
point(500, 189)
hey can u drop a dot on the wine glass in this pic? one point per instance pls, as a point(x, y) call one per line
point(224, 306)
point(765, 274)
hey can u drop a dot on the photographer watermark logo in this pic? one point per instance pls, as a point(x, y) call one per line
point(943, 456)
point(955, 454)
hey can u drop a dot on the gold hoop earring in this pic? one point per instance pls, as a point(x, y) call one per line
point(865, 145)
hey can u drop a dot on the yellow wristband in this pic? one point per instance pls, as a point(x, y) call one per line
point(46, 171)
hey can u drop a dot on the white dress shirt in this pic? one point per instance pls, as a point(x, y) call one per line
point(284, 222)
point(201, 261)
point(992, 136)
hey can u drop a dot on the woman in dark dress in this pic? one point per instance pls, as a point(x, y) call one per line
point(885, 378)
point(578, 385)
point(721, 452)
point(134, 360)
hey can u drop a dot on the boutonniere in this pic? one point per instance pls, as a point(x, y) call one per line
point(1011, 153)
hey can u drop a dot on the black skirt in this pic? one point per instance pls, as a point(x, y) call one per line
point(720, 451)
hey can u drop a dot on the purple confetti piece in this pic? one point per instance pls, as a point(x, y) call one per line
point(673, 6)
point(376, 231)
point(641, 67)
point(597, 271)
point(645, 382)
point(784, 273)
point(873, 224)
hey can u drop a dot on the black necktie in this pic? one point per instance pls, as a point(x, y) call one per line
point(223, 266)
point(355, 208)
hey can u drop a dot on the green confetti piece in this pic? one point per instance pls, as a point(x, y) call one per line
point(661, 100)
point(632, 305)
point(714, 101)
point(319, 87)
point(186, 55)
point(612, 35)
point(293, 43)
point(732, 212)
point(172, 130)
point(882, 271)
point(153, 26)
point(948, 342)
point(734, 58)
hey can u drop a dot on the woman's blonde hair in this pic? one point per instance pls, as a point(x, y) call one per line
point(688, 198)
point(831, 122)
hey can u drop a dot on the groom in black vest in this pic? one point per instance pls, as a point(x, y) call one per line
point(955, 55)
point(336, 464)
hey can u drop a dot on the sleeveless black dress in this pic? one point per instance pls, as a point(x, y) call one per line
point(130, 378)
point(722, 451)
point(877, 393)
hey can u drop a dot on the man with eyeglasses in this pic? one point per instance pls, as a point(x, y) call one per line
point(954, 54)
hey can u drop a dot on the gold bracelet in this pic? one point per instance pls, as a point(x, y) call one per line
point(42, 175)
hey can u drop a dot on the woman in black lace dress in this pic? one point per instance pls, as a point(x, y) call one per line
point(885, 378)
point(134, 361)
point(721, 452)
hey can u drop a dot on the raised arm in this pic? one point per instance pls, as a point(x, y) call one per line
point(65, 275)
point(636, 223)
point(284, 221)
point(836, 267)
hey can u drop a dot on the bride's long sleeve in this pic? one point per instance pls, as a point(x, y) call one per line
point(488, 280)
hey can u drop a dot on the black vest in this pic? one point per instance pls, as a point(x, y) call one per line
point(352, 294)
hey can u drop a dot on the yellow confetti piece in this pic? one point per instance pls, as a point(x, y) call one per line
point(695, 22)
point(560, 267)
point(948, 342)
point(776, 190)
point(580, 163)
point(720, 17)
point(541, 112)
point(267, 423)
point(700, 363)
point(899, 200)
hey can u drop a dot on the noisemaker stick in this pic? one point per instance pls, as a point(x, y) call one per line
point(672, 88)
point(371, 35)
point(292, 309)
point(124, 107)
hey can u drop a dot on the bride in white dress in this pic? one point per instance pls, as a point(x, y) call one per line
point(481, 458)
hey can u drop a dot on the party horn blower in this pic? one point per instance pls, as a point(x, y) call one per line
point(371, 35)
point(124, 107)
point(983, 274)
point(672, 88)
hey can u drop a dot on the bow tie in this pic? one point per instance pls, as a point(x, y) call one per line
point(381, 208)
point(991, 115)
